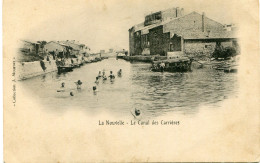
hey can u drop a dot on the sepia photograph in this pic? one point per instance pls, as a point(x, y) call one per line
point(131, 81)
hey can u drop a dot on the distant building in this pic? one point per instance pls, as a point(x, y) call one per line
point(230, 27)
point(111, 50)
point(77, 47)
point(167, 32)
point(53, 45)
point(30, 46)
point(165, 15)
point(102, 51)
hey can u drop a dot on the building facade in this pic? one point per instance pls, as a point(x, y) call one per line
point(53, 45)
point(29, 46)
point(167, 32)
point(77, 48)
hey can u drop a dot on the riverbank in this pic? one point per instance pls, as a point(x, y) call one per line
point(225, 65)
point(26, 70)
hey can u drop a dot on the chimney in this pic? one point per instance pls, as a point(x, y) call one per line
point(177, 12)
point(182, 11)
point(208, 32)
point(203, 22)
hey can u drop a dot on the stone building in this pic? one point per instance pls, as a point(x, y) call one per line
point(29, 46)
point(102, 51)
point(53, 45)
point(174, 33)
point(77, 48)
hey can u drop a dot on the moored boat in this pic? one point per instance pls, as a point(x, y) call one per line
point(64, 69)
point(231, 69)
point(172, 65)
point(62, 66)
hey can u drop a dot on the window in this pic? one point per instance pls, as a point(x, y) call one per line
point(171, 47)
point(146, 40)
point(208, 46)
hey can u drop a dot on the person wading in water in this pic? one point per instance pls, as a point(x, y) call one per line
point(162, 65)
point(111, 76)
point(78, 83)
point(97, 80)
point(137, 112)
point(119, 73)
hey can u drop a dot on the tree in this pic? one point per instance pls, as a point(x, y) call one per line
point(225, 53)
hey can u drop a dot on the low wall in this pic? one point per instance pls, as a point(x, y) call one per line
point(204, 48)
point(143, 58)
point(138, 58)
point(176, 54)
point(27, 70)
point(198, 48)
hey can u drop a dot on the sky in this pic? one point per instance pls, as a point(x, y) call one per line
point(104, 24)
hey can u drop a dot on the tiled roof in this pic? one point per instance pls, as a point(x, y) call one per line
point(145, 29)
point(71, 44)
point(58, 43)
point(188, 35)
point(31, 42)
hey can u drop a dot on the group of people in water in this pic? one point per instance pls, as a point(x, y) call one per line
point(104, 77)
point(101, 76)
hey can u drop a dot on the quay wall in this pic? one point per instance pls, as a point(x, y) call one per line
point(141, 58)
point(27, 70)
point(204, 48)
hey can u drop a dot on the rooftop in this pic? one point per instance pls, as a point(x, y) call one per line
point(187, 34)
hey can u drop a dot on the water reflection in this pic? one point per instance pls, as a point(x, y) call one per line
point(155, 93)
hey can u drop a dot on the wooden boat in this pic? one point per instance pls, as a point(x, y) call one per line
point(227, 67)
point(62, 67)
point(97, 59)
point(172, 65)
point(231, 69)
point(75, 65)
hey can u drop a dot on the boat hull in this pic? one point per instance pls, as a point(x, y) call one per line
point(64, 69)
point(172, 66)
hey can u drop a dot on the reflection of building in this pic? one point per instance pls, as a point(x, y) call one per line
point(167, 32)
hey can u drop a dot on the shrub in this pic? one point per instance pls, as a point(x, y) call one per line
point(225, 53)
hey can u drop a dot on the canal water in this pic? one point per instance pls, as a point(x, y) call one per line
point(155, 93)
